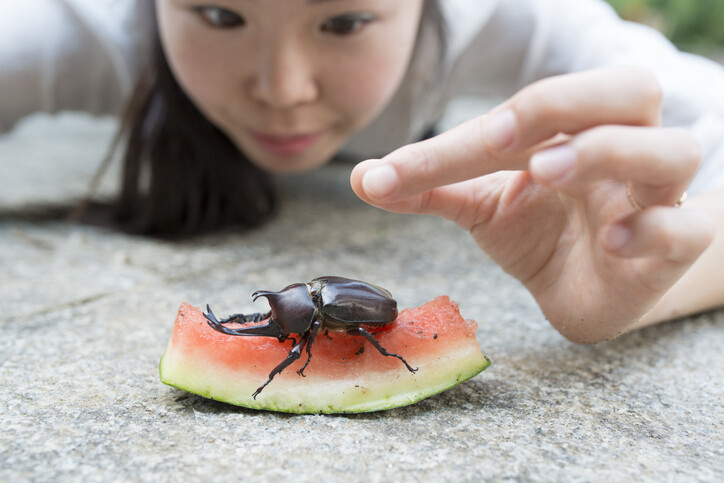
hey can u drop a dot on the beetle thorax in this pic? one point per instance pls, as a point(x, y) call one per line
point(315, 292)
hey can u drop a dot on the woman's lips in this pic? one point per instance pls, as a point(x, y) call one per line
point(286, 145)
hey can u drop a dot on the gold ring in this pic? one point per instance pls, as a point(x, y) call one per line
point(638, 206)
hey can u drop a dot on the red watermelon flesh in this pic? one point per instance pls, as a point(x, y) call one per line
point(346, 373)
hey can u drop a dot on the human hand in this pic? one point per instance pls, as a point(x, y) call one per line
point(541, 183)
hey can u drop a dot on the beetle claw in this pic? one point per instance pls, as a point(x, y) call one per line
point(378, 346)
point(210, 317)
point(293, 355)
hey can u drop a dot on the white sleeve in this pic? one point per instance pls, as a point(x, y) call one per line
point(53, 58)
point(575, 35)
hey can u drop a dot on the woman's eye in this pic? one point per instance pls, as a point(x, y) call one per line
point(220, 17)
point(346, 24)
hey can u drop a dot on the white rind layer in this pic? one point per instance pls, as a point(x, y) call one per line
point(317, 394)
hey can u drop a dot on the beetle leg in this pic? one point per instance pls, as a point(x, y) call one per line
point(270, 329)
point(373, 341)
point(293, 355)
point(315, 329)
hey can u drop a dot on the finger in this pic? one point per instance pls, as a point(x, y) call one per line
point(464, 203)
point(454, 156)
point(660, 162)
point(505, 139)
point(574, 103)
point(676, 237)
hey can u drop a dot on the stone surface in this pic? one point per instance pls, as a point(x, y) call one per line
point(87, 313)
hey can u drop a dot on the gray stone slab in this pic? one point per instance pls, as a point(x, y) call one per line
point(88, 313)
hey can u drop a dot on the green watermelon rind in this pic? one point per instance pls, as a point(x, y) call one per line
point(313, 395)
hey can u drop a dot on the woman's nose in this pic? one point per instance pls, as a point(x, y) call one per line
point(284, 77)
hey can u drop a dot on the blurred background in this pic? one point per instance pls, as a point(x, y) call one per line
point(693, 25)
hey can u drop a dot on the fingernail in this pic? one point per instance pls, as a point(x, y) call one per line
point(499, 129)
point(553, 164)
point(380, 182)
point(617, 237)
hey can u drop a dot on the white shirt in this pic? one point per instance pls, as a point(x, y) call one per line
point(84, 55)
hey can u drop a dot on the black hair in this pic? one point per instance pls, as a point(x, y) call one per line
point(181, 174)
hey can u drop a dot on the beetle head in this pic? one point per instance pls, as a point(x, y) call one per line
point(292, 308)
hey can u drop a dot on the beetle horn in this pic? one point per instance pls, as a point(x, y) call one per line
point(262, 293)
point(271, 297)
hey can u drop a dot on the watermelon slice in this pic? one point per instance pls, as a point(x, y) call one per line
point(346, 374)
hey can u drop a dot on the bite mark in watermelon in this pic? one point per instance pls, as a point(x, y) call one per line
point(346, 373)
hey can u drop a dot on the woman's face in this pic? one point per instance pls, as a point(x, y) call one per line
point(289, 81)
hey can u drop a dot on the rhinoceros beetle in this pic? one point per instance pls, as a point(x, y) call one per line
point(326, 303)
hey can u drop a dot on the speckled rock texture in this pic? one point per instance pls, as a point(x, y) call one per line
point(87, 313)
